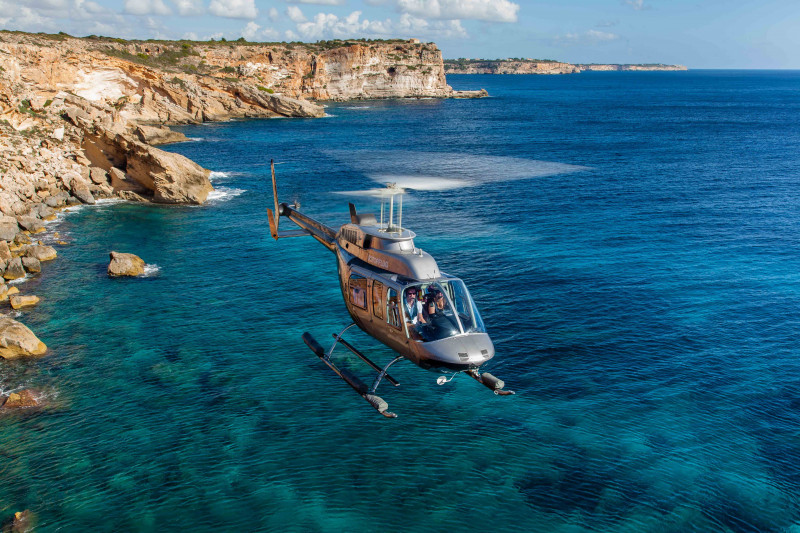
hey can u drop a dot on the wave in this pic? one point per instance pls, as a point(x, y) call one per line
point(218, 174)
point(150, 270)
point(222, 194)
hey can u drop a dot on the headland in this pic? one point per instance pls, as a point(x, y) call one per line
point(541, 66)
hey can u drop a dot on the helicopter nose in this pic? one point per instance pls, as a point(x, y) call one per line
point(472, 350)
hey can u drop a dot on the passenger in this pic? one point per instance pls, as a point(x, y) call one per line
point(413, 307)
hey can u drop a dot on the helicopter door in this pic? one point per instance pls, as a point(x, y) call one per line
point(393, 309)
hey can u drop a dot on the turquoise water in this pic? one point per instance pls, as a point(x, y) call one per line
point(631, 241)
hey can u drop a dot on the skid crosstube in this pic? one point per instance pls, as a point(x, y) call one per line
point(351, 379)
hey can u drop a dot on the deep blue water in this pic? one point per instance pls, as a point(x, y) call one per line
point(633, 243)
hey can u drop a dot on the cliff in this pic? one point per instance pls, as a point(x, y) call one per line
point(630, 67)
point(508, 66)
point(537, 66)
point(76, 115)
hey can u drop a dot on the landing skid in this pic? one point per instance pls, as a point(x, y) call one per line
point(368, 393)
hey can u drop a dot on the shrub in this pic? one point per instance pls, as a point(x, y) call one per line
point(265, 89)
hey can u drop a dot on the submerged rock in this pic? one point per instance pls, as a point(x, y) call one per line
point(19, 301)
point(23, 398)
point(123, 264)
point(16, 340)
point(21, 522)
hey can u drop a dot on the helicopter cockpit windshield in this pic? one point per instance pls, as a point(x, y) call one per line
point(447, 310)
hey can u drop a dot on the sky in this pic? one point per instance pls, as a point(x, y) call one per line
point(744, 34)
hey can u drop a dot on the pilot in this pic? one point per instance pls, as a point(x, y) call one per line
point(438, 314)
point(413, 307)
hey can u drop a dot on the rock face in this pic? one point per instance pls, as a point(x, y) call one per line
point(172, 178)
point(14, 269)
point(123, 264)
point(16, 340)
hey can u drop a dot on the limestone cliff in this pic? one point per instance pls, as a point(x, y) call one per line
point(508, 66)
point(535, 66)
point(77, 115)
point(629, 67)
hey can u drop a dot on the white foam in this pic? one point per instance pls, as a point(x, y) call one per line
point(421, 183)
point(216, 175)
point(222, 194)
point(18, 280)
point(150, 270)
point(328, 115)
point(448, 170)
point(360, 107)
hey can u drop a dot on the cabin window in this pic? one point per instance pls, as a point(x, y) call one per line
point(358, 291)
point(377, 298)
point(392, 309)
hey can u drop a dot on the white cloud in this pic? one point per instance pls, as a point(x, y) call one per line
point(295, 14)
point(189, 7)
point(80, 17)
point(146, 7)
point(290, 35)
point(638, 5)
point(319, 2)
point(273, 14)
point(590, 37)
point(412, 26)
point(236, 9)
point(488, 10)
point(189, 36)
point(328, 25)
point(255, 33)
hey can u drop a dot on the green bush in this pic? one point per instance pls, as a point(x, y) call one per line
point(265, 89)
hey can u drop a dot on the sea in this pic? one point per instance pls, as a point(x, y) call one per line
point(632, 241)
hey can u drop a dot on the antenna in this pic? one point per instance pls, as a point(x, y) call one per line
point(277, 216)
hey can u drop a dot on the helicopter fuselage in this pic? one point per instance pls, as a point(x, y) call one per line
point(378, 265)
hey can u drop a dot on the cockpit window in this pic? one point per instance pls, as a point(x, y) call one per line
point(447, 310)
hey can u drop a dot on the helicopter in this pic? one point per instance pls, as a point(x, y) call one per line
point(395, 293)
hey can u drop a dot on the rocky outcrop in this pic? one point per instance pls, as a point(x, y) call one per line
point(123, 264)
point(23, 398)
point(16, 340)
point(18, 301)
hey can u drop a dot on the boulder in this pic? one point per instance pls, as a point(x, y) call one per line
point(23, 398)
point(8, 228)
point(5, 252)
point(16, 340)
point(28, 223)
point(14, 270)
point(4, 292)
point(80, 189)
point(154, 135)
point(31, 264)
point(41, 252)
point(98, 175)
point(21, 239)
point(19, 301)
point(173, 178)
point(12, 290)
point(123, 264)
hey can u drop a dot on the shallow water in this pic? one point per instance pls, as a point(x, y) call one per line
point(631, 240)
